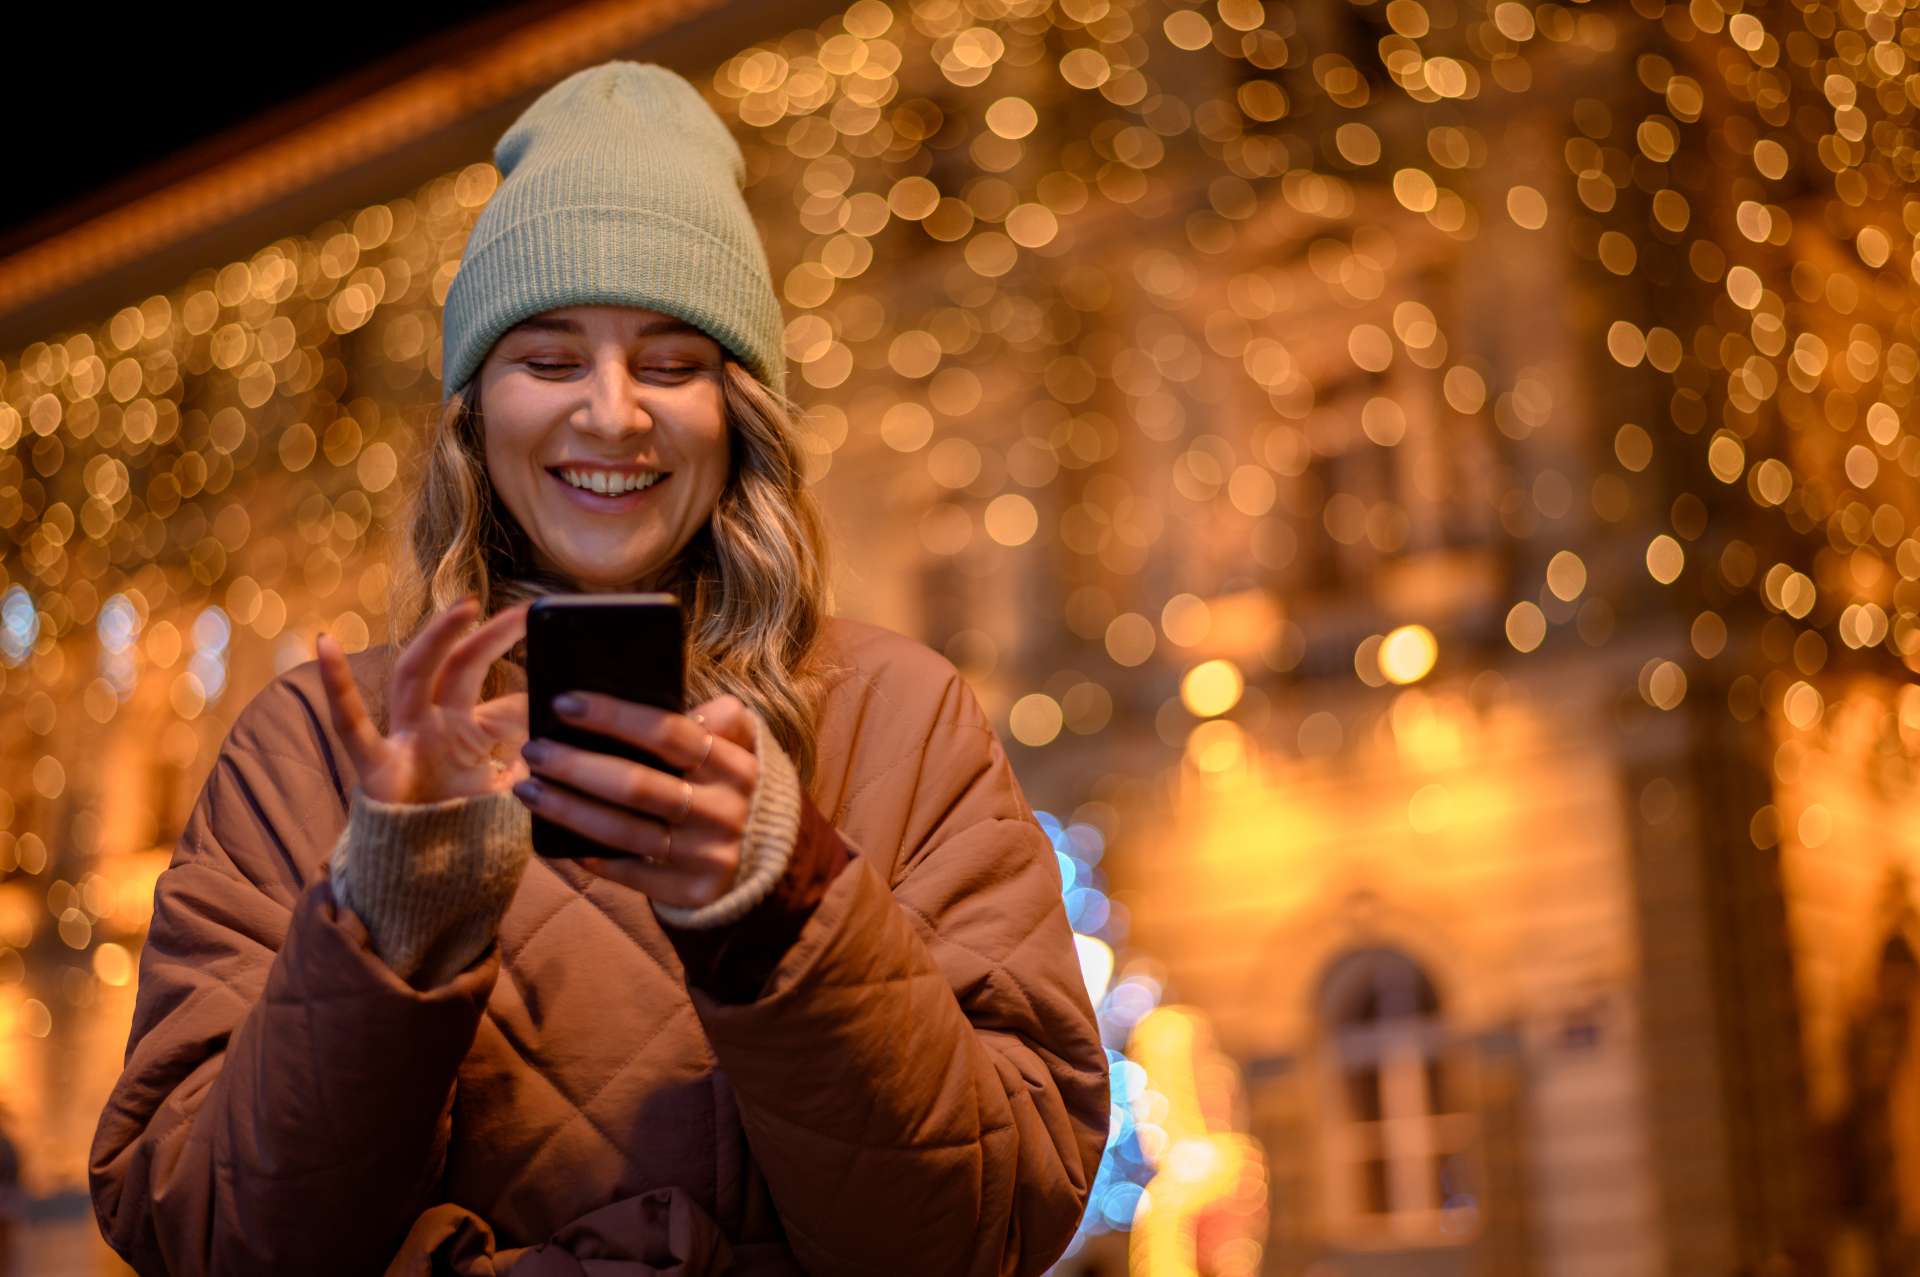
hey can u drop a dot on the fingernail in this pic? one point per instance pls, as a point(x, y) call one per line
point(534, 751)
point(528, 791)
point(568, 703)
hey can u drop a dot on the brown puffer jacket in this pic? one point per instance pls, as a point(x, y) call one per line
point(919, 1090)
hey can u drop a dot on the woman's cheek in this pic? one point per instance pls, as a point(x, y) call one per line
point(510, 452)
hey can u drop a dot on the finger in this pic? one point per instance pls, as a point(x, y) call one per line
point(730, 721)
point(411, 687)
point(465, 667)
point(620, 830)
point(674, 738)
point(504, 718)
point(648, 879)
point(727, 716)
point(634, 787)
point(669, 884)
point(345, 706)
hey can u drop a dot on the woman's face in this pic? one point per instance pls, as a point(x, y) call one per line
point(604, 395)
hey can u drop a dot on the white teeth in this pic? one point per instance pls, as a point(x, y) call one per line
point(610, 484)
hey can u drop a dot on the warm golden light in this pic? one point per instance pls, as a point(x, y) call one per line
point(1407, 654)
point(1211, 688)
point(1217, 746)
point(1201, 1163)
point(1566, 576)
point(1096, 965)
point(113, 965)
point(1526, 626)
point(1011, 519)
point(1803, 705)
point(1152, 306)
point(1430, 810)
point(1130, 638)
point(1035, 719)
point(1665, 558)
point(1663, 684)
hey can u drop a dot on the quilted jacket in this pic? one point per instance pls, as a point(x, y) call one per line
point(919, 1089)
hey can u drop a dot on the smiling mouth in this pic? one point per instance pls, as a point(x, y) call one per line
point(616, 486)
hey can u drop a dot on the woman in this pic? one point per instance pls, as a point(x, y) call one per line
point(825, 1018)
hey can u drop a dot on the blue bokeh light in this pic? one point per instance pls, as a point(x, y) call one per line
point(19, 625)
point(1124, 1170)
point(118, 628)
point(211, 632)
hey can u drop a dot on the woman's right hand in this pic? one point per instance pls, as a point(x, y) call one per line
point(440, 744)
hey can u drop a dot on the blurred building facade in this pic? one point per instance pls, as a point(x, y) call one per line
point(1425, 484)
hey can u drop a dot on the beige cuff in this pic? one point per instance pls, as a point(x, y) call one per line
point(431, 880)
point(766, 844)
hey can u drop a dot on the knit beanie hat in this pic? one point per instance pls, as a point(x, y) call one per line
point(620, 186)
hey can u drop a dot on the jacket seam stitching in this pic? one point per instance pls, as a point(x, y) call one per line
point(275, 844)
point(332, 770)
point(566, 902)
point(911, 1146)
point(999, 966)
point(580, 1106)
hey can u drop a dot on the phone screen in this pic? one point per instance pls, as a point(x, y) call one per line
point(631, 646)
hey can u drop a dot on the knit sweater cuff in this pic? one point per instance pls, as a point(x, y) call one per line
point(766, 844)
point(431, 881)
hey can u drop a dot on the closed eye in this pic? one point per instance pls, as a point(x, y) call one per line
point(671, 370)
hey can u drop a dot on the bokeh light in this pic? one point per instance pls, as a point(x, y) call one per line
point(1111, 317)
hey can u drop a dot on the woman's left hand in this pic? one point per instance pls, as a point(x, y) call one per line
point(683, 831)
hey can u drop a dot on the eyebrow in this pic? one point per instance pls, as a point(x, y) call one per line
point(665, 324)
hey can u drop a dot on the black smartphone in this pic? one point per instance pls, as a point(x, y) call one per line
point(627, 645)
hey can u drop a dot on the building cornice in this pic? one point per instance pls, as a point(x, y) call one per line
point(369, 149)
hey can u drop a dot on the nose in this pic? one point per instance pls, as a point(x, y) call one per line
point(615, 406)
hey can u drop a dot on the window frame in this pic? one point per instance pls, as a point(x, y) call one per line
point(1417, 1137)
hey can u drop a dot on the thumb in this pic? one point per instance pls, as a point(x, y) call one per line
point(504, 718)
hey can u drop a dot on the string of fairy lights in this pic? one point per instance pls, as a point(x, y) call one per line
point(210, 469)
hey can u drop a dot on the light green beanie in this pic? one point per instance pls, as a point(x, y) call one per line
point(618, 186)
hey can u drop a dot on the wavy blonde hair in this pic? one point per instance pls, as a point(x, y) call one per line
point(753, 581)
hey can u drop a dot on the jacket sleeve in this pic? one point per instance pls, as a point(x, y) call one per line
point(285, 1101)
point(922, 1081)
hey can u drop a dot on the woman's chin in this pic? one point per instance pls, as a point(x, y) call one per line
point(598, 579)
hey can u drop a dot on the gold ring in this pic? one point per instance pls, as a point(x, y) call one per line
point(666, 848)
point(686, 803)
point(708, 753)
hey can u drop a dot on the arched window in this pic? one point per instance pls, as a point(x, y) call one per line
point(1397, 1128)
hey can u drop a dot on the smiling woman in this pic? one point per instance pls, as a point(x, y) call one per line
point(734, 534)
point(606, 434)
point(817, 1010)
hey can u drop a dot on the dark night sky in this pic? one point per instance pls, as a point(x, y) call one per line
point(176, 85)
